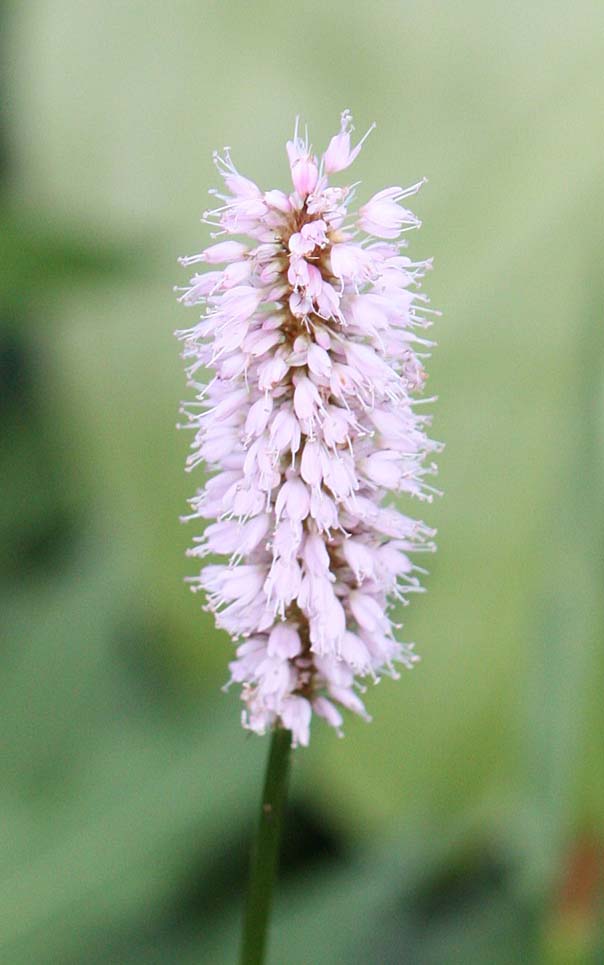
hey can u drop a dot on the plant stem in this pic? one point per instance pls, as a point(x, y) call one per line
point(265, 850)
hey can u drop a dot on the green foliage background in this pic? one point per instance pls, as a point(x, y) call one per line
point(465, 824)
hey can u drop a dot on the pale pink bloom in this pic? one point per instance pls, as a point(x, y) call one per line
point(258, 416)
point(224, 251)
point(295, 714)
point(303, 165)
point(293, 500)
point(315, 332)
point(310, 236)
point(324, 708)
point(339, 155)
point(284, 642)
point(383, 217)
point(278, 200)
point(324, 511)
point(318, 361)
point(351, 262)
point(355, 653)
point(307, 400)
point(360, 558)
point(236, 274)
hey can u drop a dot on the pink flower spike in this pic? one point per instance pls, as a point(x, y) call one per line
point(315, 333)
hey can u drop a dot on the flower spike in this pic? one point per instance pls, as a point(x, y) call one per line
point(316, 331)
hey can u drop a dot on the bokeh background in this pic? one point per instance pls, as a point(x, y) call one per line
point(464, 825)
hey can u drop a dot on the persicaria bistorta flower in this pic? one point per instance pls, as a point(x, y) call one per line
point(315, 328)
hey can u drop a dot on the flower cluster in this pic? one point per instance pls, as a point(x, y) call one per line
point(315, 330)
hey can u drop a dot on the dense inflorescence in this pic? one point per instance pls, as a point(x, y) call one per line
point(315, 332)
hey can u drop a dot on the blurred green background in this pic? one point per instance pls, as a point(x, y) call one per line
point(464, 825)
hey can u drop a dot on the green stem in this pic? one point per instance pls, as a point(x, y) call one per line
point(265, 851)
